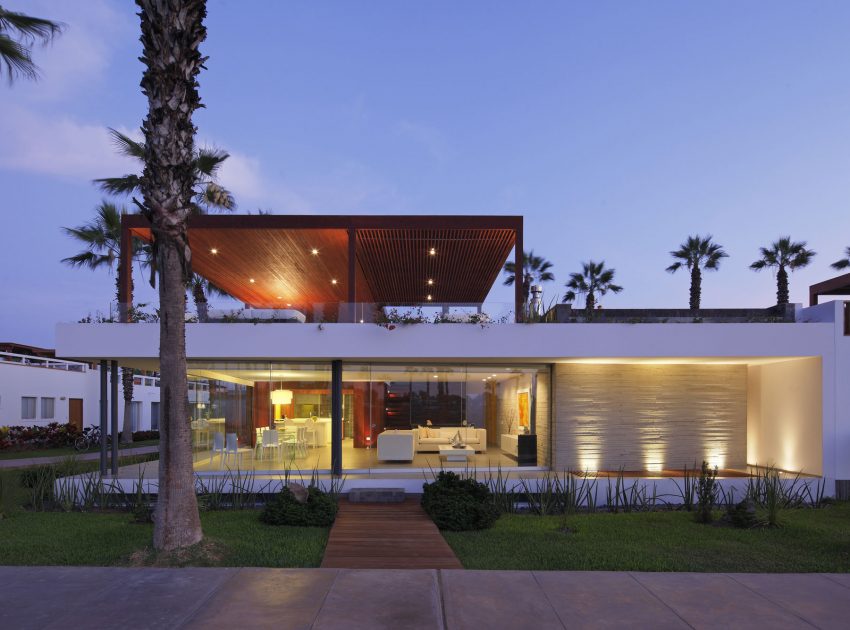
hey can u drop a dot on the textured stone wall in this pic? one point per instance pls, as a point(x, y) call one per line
point(649, 416)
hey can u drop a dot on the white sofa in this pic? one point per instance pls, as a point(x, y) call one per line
point(396, 445)
point(473, 437)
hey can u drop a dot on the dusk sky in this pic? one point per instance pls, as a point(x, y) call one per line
point(616, 128)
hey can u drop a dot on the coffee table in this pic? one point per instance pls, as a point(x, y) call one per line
point(456, 454)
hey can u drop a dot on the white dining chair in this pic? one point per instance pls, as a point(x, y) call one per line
point(231, 447)
point(218, 446)
point(270, 442)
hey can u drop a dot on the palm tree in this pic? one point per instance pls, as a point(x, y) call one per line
point(208, 196)
point(172, 31)
point(593, 280)
point(101, 239)
point(784, 255)
point(697, 253)
point(844, 262)
point(535, 270)
point(18, 34)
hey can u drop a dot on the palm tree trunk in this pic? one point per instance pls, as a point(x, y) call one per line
point(172, 31)
point(782, 285)
point(126, 373)
point(200, 299)
point(589, 305)
point(696, 288)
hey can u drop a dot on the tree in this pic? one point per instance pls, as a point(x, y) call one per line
point(535, 270)
point(172, 31)
point(593, 280)
point(18, 34)
point(784, 255)
point(208, 196)
point(844, 262)
point(697, 253)
point(101, 239)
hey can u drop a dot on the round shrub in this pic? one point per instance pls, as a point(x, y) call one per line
point(319, 510)
point(458, 504)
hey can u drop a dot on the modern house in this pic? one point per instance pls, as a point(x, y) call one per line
point(36, 389)
point(365, 347)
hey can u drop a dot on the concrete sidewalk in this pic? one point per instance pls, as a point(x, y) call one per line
point(89, 597)
point(91, 455)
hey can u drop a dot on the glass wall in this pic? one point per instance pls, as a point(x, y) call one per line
point(272, 416)
point(436, 416)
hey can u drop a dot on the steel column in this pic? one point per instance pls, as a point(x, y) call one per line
point(336, 417)
point(103, 413)
point(113, 377)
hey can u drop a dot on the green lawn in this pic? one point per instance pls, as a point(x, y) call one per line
point(68, 451)
point(810, 540)
point(74, 538)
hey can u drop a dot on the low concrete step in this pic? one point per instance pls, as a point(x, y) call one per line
point(376, 495)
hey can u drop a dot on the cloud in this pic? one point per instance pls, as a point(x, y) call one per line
point(58, 146)
point(80, 56)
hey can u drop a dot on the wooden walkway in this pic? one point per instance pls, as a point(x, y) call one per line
point(386, 536)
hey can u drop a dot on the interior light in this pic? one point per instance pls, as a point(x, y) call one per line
point(429, 297)
point(361, 321)
point(430, 281)
point(288, 304)
point(432, 251)
point(213, 251)
point(279, 297)
point(333, 281)
point(252, 281)
point(435, 376)
point(314, 251)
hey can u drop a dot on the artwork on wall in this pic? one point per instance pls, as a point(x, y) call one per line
point(524, 412)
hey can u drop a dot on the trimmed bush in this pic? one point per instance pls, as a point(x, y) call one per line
point(319, 510)
point(141, 436)
point(23, 438)
point(459, 504)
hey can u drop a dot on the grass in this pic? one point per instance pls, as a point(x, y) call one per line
point(809, 541)
point(66, 451)
point(111, 539)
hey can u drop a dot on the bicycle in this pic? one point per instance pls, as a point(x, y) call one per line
point(89, 438)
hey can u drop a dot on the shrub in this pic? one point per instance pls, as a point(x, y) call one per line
point(743, 515)
point(141, 436)
point(319, 510)
point(459, 504)
point(53, 435)
point(706, 491)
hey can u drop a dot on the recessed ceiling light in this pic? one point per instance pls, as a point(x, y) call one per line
point(251, 280)
point(333, 281)
point(429, 297)
point(279, 297)
point(432, 251)
point(484, 380)
point(493, 375)
point(435, 376)
point(314, 251)
point(430, 281)
point(288, 304)
point(361, 321)
point(213, 251)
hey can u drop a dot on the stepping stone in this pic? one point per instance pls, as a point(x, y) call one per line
point(376, 495)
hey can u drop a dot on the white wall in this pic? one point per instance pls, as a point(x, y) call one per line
point(785, 415)
point(18, 380)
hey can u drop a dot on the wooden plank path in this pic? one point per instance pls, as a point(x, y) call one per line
point(386, 536)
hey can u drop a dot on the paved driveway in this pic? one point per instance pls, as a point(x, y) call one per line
point(95, 597)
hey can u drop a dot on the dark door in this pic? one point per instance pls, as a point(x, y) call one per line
point(75, 412)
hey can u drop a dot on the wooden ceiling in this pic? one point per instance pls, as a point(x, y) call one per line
point(393, 259)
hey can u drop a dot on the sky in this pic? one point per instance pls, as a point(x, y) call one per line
point(616, 129)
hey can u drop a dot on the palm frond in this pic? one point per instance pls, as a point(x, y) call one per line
point(15, 60)
point(28, 27)
point(126, 145)
point(126, 185)
point(208, 161)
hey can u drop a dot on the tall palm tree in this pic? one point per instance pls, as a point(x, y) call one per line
point(784, 255)
point(101, 241)
point(172, 31)
point(535, 270)
point(18, 34)
point(593, 280)
point(697, 253)
point(844, 262)
point(208, 196)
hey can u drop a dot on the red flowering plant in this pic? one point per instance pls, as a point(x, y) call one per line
point(54, 435)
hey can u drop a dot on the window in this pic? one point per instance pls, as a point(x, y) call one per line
point(135, 415)
point(47, 408)
point(154, 416)
point(27, 407)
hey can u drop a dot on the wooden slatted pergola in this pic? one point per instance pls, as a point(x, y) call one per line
point(295, 261)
